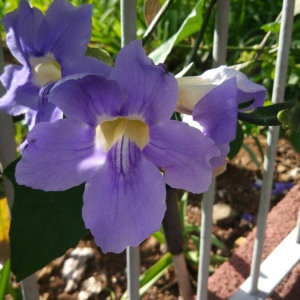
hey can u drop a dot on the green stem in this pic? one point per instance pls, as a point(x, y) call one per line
point(258, 120)
point(201, 32)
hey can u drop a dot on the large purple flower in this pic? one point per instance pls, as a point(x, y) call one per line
point(210, 103)
point(119, 139)
point(48, 47)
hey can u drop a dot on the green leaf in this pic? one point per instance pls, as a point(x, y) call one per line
point(217, 260)
point(295, 140)
point(99, 54)
point(151, 275)
point(274, 109)
point(190, 25)
point(259, 147)
point(273, 27)
point(236, 145)
point(252, 155)
point(185, 70)
point(4, 279)
point(159, 236)
point(182, 209)
point(216, 242)
point(246, 104)
point(44, 225)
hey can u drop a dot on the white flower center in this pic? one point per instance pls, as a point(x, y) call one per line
point(45, 69)
point(109, 132)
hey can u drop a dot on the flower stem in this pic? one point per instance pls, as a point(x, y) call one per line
point(201, 32)
point(174, 237)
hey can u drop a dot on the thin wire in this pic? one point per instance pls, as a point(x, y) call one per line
point(272, 139)
point(205, 241)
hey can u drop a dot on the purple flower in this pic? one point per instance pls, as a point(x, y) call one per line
point(48, 47)
point(279, 187)
point(119, 139)
point(248, 217)
point(212, 99)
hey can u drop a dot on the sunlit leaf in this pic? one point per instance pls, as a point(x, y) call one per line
point(4, 279)
point(273, 27)
point(190, 25)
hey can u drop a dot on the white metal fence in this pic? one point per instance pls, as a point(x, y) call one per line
point(263, 278)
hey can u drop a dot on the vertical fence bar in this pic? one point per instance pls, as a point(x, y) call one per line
point(272, 139)
point(205, 241)
point(128, 31)
point(298, 229)
point(221, 33)
point(219, 58)
point(7, 155)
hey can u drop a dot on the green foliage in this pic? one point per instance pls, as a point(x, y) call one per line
point(190, 25)
point(99, 54)
point(151, 275)
point(273, 27)
point(36, 216)
point(4, 279)
point(236, 145)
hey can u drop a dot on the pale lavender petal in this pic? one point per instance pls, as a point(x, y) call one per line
point(20, 94)
point(59, 155)
point(258, 97)
point(86, 65)
point(87, 98)
point(123, 208)
point(21, 27)
point(220, 160)
point(151, 90)
point(183, 153)
point(217, 112)
point(68, 31)
point(248, 90)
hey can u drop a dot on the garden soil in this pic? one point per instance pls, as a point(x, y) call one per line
point(239, 188)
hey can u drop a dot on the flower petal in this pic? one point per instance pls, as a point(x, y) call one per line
point(151, 91)
point(21, 94)
point(122, 209)
point(217, 112)
point(191, 91)
point(220, 160)
point(86, 65)
point(87, 97)
point(47, 111)
point(183, 152)
point(59, 155)
point(248, 90)
point(21, 27)
point(68, 31)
